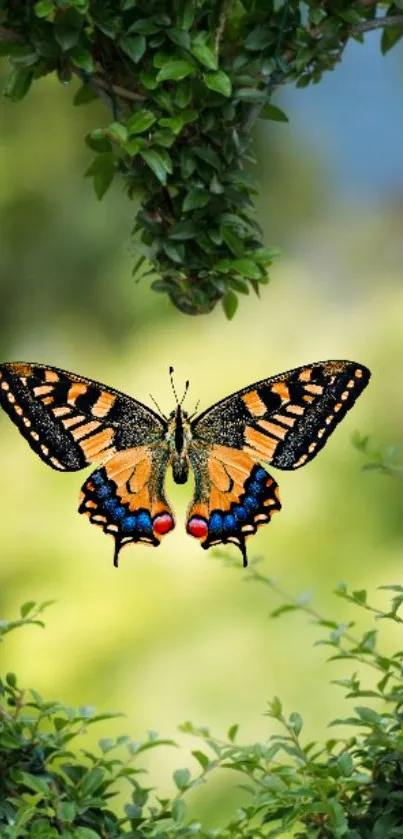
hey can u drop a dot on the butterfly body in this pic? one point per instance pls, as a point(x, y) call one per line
point(71, 422)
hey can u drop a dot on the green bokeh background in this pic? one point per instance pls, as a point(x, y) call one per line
point(174, 634)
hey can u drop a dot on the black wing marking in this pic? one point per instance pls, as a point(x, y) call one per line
point(71, 421)
point(285, 420)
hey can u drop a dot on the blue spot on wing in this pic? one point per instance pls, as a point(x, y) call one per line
point(260, 474)
point(251, 504)
point(103, 491)
point(144, 520)
point(215, 523)
point(240, 514)
point(129, 523)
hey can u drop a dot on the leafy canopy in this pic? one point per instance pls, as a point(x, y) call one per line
point(184, 83)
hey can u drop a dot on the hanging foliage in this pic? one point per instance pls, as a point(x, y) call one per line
point(184, 82)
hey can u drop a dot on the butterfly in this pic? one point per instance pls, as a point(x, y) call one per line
point(71, 422)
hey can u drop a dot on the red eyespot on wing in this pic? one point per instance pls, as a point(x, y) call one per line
point(197, 527)
point(163, 524)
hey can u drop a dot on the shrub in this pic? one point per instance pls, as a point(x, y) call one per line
point(185, 83)
point(345, 787)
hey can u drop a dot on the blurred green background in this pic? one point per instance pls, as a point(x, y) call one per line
point(174, 634)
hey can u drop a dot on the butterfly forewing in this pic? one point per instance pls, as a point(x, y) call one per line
point(71, 421)
point(287, 419)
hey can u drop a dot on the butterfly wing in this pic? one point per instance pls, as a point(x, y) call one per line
point(126, 496)
point(70, 421)
point(287, 419)
point(284, 420)
point(233, 496)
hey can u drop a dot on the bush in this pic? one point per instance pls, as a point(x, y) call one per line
point(185, 83)
point(345, 787)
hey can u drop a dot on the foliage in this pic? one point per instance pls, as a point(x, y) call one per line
point(185, 82)
point(382, 460)
point(349, 786)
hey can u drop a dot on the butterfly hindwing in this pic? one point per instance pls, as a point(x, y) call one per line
point(71, 421)
point(285, 420)
point(126, 497)
point(233, 496)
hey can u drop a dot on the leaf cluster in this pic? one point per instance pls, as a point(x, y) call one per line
point(350, 786)
point(185, 82)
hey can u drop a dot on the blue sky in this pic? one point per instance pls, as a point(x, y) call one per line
point(355, 117)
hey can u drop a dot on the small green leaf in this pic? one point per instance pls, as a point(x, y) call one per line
point(133, 46)
point(197, 197)
point(345, 764)
point(155, 161)
point(178, 811)
point(17, 83)
point(247, 268)
point(140, 121)
point(97, 141)
point(11, 680)
point(186, 14)
point(27, 607)
point(272, 112)
point(66, 36)
point(145, 26)
point(66, 811)
point(295, 722)
point(233, 241)
point(175, 70)
point(230, 304)
point(219, 82)
point(260, 37)
point(183, 230)
point(204, 54)
point(82, 59)
point(232, 732)
point(179, 37)
point(201, 758)
point(265, 256)
point(181, 778)
point(84, 95)
point(44, 8)
point(118, 132)
point(175, 124)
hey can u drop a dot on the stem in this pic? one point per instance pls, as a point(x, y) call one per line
point(288, 598)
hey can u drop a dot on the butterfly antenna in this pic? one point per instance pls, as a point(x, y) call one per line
point(171, 370)
point(195, 410)
point(157, 406)
point(184, 392)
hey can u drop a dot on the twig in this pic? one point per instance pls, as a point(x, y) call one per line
point(377, 23)
point(221, 26)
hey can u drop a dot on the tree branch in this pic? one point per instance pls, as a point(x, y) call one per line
point(377, 23)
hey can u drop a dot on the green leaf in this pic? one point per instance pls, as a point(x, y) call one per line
point(232, 732)
point(265, 256)
point(204, 54)
point(175, 70)
point(85, 833)
point(44, 8)
point(118, 132)
point(181, 778)
point(230, 304)
point(274, 113)
point(102, 169)
point(233, 241)
point(97, 141)
point(145, 26)
point(345, 764)
point(66, 36)
point(179, 37)
point(156, 162)
point(247, 268)
point(178, 811)
point(197, 197)
point(175, 124)
point(27, 607)
point(17, 83)
point(66, 811)
point(83, 59)
point(133, 46)
point(186, 14)
point(295, 722)
point(183, 230)
point(84, 95)
point(201, 758)
point(140, 121)
point(260, 37)
point(11, 680)
point(219, 82)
